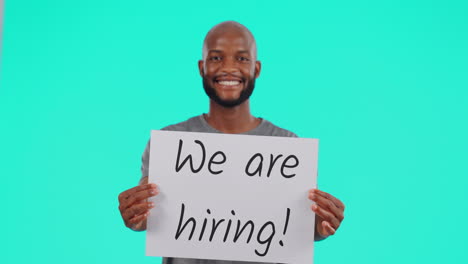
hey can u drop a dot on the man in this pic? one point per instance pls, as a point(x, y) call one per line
point(229, 68)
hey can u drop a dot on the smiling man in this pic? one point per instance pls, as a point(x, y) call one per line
point(228, 68)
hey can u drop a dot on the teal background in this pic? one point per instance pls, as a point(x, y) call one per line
point(382, 84)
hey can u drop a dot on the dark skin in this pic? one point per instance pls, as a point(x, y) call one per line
point(229, 53)
point(229, 56)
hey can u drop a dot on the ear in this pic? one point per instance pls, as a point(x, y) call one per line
point(200, 67)
point(258, 67)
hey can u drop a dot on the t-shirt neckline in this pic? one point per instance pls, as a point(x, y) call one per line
point(203, 121)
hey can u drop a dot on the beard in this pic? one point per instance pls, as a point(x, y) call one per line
point(244, 95)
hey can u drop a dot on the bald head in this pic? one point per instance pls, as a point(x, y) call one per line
point(234, 30)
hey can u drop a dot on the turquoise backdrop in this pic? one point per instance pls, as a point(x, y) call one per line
point(382, 84)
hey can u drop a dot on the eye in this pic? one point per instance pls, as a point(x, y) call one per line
point(244, 59)
point(215, 58)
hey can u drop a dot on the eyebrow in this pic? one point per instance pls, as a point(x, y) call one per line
point(220, 51)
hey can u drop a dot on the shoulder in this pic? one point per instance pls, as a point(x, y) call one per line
point(270, 129)
point(192, 124)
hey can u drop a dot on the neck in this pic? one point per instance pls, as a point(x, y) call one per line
point(233, 120)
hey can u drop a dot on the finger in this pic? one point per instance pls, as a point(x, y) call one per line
point(328, 204)
point(140, 196)
point(137, 209)
point(328, 228)
point(137, 198)
point(326, 195)
point(326, 215)
point(126, 194)
point(140, 226)
point(137, 219)
point(144, 180)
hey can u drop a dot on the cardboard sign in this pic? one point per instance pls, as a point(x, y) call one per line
point(232, 197)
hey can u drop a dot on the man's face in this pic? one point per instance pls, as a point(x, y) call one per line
point(229, 67)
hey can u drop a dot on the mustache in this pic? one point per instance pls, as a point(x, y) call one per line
point(224, 75)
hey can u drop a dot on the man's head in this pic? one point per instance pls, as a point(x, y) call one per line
point(229, 65)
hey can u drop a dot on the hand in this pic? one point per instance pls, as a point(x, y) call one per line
point(329, 212)
point(134, 207)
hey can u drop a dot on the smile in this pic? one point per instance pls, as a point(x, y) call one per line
point(229, 83)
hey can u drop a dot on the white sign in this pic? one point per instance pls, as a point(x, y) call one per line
point(232, 197)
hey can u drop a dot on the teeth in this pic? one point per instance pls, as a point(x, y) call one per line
point(229, 82)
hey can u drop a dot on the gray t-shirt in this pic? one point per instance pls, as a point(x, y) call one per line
point(199, 124)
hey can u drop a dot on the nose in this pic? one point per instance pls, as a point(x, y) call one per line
point(230, 66)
